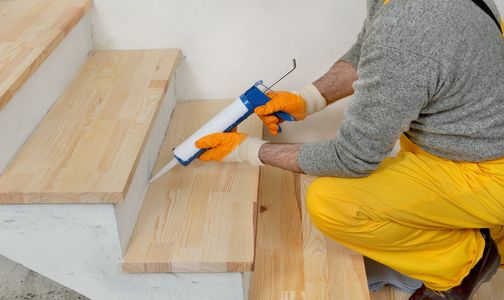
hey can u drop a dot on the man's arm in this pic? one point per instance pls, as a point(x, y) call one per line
point(282, 156)
point(337, 83)
point(392, 89)
point(334, 85)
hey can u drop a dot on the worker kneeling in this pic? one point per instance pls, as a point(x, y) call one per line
point(435, 211)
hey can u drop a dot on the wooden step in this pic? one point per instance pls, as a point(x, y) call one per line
point(86, 149)
point(199, 218)
point(293, 259)
point(29, 31)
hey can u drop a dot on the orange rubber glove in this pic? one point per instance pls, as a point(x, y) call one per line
point(231, 147)
point(298, 104)
point(288, 102)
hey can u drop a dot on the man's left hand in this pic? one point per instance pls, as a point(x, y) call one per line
point(231, 147)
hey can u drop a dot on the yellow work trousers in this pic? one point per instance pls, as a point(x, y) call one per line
point(417, 213)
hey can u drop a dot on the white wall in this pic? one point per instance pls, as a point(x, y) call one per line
point(230, 44)
point(500, 6)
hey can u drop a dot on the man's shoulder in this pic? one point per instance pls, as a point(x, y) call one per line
point(414, 24)
point(419, 9)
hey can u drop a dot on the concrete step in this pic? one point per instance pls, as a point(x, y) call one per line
point(19, 282)
point(77, 246)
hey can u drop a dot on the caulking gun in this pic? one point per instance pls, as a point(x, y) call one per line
point(235, 113)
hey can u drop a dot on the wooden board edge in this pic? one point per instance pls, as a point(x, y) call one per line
point(255, 209)
point(186, 267)
point(169, 80)
point(60, 198)
point(255, 216)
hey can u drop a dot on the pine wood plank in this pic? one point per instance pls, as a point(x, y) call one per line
point(334, 272)
point(294, 260)
point(279, 268)
point(29, 31)
point(199, 218)
point(87, 147)
point(327, 270)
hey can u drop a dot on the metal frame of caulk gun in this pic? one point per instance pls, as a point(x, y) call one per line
point(235, 113)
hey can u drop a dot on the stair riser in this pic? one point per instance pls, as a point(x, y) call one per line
point(30, 104)
point(127, 210)
point(247, 282)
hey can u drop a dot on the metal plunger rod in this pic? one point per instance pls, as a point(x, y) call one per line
point(294, 65)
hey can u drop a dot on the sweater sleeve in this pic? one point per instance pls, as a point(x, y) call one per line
point(352, 56)
point(393, 86)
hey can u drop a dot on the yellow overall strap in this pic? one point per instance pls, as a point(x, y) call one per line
point(502, 25)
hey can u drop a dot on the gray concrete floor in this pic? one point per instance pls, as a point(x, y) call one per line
point(20, 283)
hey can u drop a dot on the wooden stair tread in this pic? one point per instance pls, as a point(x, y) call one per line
point(293, 259)
point(29, 31)
point(87, 147)
point(199, 218)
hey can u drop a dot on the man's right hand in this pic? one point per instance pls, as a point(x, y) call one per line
point(288, 102)
point(300, 104)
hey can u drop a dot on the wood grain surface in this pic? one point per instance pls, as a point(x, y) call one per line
point(87, 147)
point(198, 218)
point(294, 260)
point(29, 31)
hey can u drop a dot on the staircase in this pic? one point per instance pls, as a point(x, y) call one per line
point(84, 129)
point(88, 147)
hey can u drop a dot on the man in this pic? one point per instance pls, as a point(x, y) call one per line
point(430, 73)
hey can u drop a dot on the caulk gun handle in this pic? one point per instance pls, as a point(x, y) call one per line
point(284, 116)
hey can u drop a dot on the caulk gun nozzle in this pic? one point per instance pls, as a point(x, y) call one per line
point(164, 170)
point(154, 178)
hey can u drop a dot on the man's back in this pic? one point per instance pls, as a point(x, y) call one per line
point(464, 119)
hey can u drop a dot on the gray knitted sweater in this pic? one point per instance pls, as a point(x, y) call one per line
point(431, 69)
